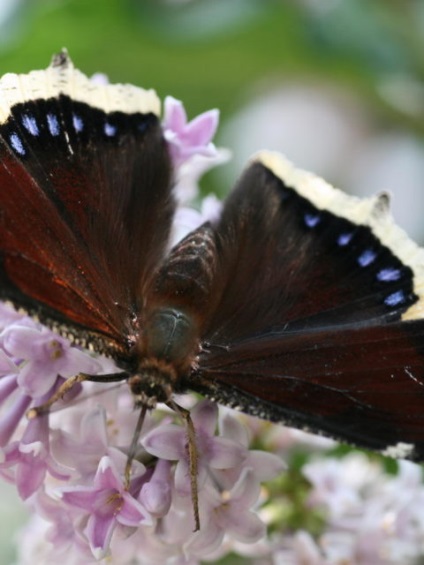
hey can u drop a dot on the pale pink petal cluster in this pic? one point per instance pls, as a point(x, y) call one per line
point(371, 517)
point(186, 139)
point(191, 148)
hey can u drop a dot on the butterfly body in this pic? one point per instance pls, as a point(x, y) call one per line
point(169, 341)
point(298, 304)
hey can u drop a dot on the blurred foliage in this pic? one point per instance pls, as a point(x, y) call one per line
point(209, 53)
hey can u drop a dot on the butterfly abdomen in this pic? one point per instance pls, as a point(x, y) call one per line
point(187, 276)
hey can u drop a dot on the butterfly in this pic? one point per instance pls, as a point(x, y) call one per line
point(300, 304)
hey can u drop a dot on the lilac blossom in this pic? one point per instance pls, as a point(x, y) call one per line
point(31, 458)
point(46, 356)
point(232, 509)
point(186, 139)
point(371, 517)
point(191, 147)
point(107, 504)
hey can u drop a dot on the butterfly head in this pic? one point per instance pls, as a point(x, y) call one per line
point(153, 383)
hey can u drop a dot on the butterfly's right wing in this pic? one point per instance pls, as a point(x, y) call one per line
point(316, 312)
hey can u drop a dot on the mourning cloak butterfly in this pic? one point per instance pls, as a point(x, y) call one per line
point(300, 304)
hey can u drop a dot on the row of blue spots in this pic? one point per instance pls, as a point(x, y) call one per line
point(388, 274)
point(367, 257)
point(312, 220)
point(111, 130)
point(30, 124)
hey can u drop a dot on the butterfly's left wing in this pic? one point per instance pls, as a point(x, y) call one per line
point(317, 317)
point(85, 201)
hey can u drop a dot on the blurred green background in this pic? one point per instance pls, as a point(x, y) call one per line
point(336, 84)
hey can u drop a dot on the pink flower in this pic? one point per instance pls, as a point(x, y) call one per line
point(46, 355)
point(232, 509)
point(185, 138)
point(31, 458)
point(107, 504)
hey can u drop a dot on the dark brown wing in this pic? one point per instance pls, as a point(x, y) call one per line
point(363, 385)
point(310, 327)
point(84, 196)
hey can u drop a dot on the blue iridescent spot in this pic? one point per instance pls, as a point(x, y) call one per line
point(344, 239)
point(110, 130)
point(16, 143)
point(77, 123)
point(53, 124)
point(311, 220)
point(30, 124)
point(388, 275)
point(395, 298)
point(367, 257)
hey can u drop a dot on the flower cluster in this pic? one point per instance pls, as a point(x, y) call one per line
point(70, 464)
point(371, 517)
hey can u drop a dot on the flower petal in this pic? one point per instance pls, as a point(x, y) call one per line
point(29, 477)
point(245, 526)
point(79, 496)
point(132, 513)
point(202, 128)
point(166, 442)
point(265, 465)
point(11, 418)
point(225, 453)
point(175, 117)
point(205, 416)
point(99, 532)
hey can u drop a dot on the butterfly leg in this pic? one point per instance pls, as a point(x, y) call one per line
point(68, 385)
point(134, 444)
point(192, 457)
